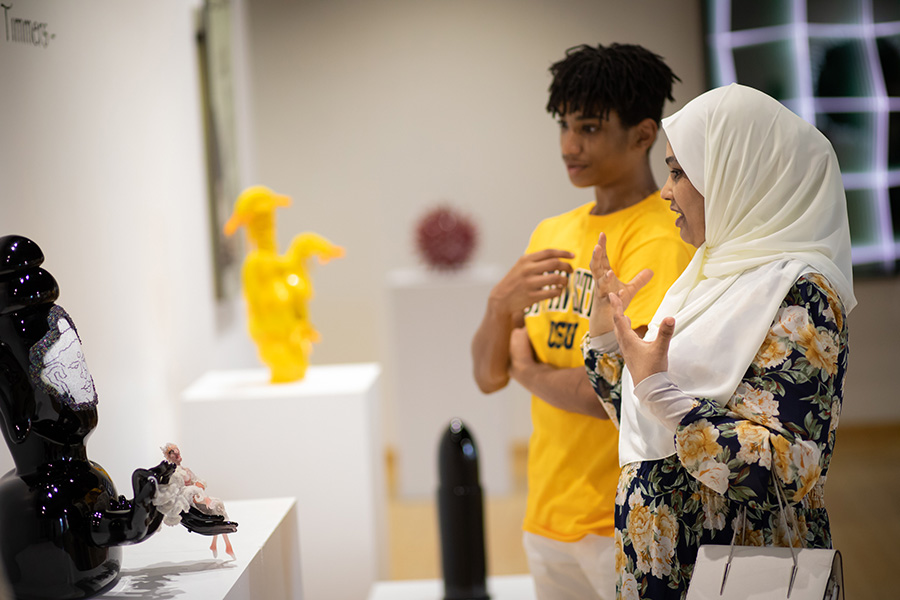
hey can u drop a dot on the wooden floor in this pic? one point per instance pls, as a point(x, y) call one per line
point(413, 530)
point(862, 495)
point(863, 500)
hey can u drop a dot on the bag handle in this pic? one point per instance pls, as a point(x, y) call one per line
point(778, 493)
point(743, 525)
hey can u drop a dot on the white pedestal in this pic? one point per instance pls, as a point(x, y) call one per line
point(176, 563)
point(317, 440)
point(433, 317)
point(505, 587)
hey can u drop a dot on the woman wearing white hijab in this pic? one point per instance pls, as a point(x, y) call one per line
point(734, 393)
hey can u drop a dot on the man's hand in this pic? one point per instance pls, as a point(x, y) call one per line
point(565, 388)
point(533, 278)
point(521, 354)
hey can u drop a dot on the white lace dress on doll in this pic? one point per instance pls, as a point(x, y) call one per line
point(176, 497)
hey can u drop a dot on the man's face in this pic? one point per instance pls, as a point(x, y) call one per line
point(596, 151)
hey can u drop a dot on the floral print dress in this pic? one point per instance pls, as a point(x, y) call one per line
point(780, 421)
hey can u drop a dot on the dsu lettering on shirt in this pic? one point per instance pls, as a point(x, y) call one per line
point(562, 334)
point(575, 298)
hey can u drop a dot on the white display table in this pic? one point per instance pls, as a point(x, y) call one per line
point(433, 317)
point(317, 440)
point(504, 587)
point(175, 563)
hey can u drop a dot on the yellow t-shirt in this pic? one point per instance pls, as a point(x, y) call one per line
point(573, 464)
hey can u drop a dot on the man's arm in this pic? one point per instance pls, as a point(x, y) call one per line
point(533, 278)
point(565, 388)
point(490, 349)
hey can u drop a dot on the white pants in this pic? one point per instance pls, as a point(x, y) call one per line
point(572, 570)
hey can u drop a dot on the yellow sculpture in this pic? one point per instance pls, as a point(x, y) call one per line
point(277, 288)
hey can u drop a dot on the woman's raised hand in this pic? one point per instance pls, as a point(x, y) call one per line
point(606, 282)
point(643, 359)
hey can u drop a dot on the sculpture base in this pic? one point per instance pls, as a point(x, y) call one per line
point(179, 565)
point(45, 532)
point(318, 440)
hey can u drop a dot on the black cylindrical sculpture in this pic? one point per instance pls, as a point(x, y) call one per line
point(461, 515)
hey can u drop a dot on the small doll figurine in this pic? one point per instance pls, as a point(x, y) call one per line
point(185, 494)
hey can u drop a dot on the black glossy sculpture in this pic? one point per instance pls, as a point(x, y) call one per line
point(61, 520)
point(461, 516)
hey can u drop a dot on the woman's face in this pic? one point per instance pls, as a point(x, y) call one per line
point(685, 201)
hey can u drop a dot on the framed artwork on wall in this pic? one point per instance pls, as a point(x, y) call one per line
point(214, 50)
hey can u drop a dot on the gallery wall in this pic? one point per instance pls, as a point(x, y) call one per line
point(371, 113)
point(367, 114)
point(102, 164)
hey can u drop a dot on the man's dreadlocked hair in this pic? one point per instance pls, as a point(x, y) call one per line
point(626, 78)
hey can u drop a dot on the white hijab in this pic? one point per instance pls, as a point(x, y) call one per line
point(775, 208)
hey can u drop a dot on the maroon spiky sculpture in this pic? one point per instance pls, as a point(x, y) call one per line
point(445, 238)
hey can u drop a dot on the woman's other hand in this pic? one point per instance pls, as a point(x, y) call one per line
point(643, 359)
point(606, 282)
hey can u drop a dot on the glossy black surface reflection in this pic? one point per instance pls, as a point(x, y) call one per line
point(461, 516)
point(61, 520)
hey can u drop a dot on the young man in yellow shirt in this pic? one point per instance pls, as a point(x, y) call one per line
point(608, 101)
